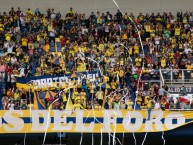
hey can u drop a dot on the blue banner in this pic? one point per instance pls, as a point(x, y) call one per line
point(46, 81)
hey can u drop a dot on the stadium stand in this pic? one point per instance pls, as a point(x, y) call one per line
point(34, 44)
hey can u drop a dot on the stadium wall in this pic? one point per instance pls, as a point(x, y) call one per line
point(86, 6)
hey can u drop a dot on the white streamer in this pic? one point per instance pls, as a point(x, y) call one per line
point(83, 129)
point(145, 133)
point(92, 83)
point(143, 58)
point(101, 136)
point(163, 138)
point(97, 62)
point(92, 139)
point(123, 136)
point(47, 124)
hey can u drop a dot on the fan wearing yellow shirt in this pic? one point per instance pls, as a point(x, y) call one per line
point(147, 28)
point(143, 106)
point(163, 62)
point(29, 12)
point(74, 94)
point(141, 17)
point(24, 42)
point(64, 99)
point(113, 85)
point(138, 61)
point(185, 19)
point(130, 105)
point(189, 67)
point(99, 95)
point(77, 106)
point(177, 31)
point(97, 106)
point(50, 27)
point(146, 99)
point(1, 26)
point(152, 32)
point(16, 95)
point(83, 93)
point(145, 70)
point(139, 100)
point(136, 49)
point(130, 51)
point(125, 36)
point(8, 36)
point(121, 73)
point(47, 47)
point(171, 55)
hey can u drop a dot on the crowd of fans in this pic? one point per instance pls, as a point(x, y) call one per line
point(30, 42)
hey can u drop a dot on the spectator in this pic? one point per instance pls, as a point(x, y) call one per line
point(30, 41)
point(130, 104)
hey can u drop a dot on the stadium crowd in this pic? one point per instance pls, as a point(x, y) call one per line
point(31, 41)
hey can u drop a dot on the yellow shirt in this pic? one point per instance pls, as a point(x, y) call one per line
point(130, 50)
point(75, 94)
point(49, 28)
point(8, 37)
point(130, 105)
point(64, 98)
point(163, 62)
point(139, 100)
point(125, 36)
point(136, 49)
point(138, 61)
point(99, 95)
point(16, 96)
point(189, 67)
point(47, 48)
point(121, 73)
point(184, 20)
point(24, 41)
point(146, 99)
point(1, 27)
point(77, 106)
point(147, 28)
point(177, 31)
point(113, 85)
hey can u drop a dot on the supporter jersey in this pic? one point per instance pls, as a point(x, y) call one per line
point(75, 94)
point(24, 41)
point(138, 61)
point(1, 27)
point(8, 37)
point(131, 50)
point(177, 31)
point(136, 49)
point(113, 85)
point(163, 62)
point(130, 105)
point(49, 28)
point(125, 36)
point(147, 28)
point(77, 106)
point(152, 33)
point(184, 20)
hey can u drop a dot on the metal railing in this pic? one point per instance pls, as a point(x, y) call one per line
point(174, 76)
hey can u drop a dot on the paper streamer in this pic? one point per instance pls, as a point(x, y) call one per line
point(143, 58)
point(164, 141)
